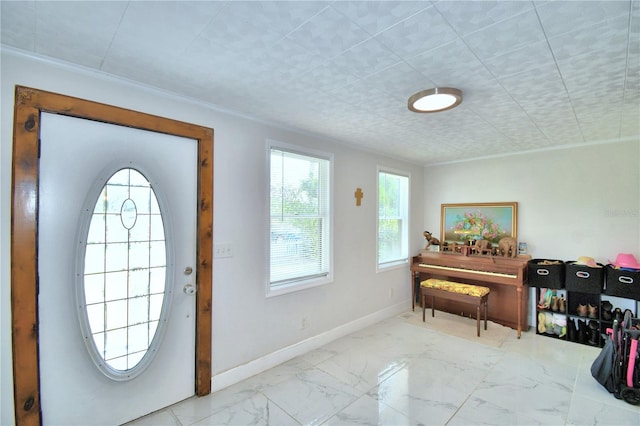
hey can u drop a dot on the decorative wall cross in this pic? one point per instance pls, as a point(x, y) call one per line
point(359, 194)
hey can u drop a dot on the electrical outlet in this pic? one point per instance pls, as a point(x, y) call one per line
point(223, 250)
point(391, 292)
point(304, 323)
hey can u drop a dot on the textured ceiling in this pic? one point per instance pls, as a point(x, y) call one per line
point(535, 74)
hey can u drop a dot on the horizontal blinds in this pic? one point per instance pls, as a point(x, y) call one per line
point(299, 211)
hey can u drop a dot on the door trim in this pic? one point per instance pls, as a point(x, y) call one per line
point(29, 103)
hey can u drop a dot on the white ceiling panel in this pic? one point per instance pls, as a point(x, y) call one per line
point(81, 34)
point(366, 58)
point(505, 36)
point(520, 60)
point(535, 74)
point(560, 17)
point(417, 34)
point(328, 34)
point(377, 16)
point(18, 26)
point(470, 16)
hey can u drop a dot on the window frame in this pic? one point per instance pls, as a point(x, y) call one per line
point(403, 261)
point(295, 285)
point(93, 197)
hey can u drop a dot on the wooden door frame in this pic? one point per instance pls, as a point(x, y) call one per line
point(29, 103)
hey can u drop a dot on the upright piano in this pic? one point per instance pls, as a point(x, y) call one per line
point(505, 276)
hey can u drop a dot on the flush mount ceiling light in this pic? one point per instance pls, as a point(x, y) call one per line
point(435, 100)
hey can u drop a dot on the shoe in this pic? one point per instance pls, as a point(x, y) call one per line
point(542, 318)
point(593, 311)
point(605, 310)
point(554, 304)
point(582, 310)
point(562, 304)
point(582, 332)
point(563, 331)
point(617, 315)
point(594, 333)
point(549, 323)
point(546, 303)
point(543, 293)
point(572, 332)
point(559, 325)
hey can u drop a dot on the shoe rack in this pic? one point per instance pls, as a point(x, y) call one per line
point(577, 316)
point(572, 303)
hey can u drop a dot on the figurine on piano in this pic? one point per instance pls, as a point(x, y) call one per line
point(508, 247)
point(431, 240)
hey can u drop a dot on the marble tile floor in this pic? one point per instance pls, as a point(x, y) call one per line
point(397, 373)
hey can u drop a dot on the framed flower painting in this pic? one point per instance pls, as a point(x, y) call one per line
point(478, 221)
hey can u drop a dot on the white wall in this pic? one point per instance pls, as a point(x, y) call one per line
point(579, 201)
point(246, 325)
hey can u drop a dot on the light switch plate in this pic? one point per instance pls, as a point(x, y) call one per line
point(222, 250)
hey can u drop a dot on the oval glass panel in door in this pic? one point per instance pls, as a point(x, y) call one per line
point(122, 296)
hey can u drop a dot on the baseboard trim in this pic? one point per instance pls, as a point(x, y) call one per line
point(237, 374)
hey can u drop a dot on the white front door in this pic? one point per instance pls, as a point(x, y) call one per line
point(116, 275)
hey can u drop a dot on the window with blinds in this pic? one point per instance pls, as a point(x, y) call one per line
point(393, 219)
point(300, 215)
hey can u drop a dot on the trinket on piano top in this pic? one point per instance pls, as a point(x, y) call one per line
point(483, 247)
point(431, 240)
point(508, 247)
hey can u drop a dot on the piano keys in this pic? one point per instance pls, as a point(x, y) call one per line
point(448, 268)
point(505, 276)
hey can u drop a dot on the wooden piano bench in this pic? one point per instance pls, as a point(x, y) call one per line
point(458, 292)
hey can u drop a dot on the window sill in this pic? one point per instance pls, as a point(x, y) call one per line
point(393, 265)
point(297, 286)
